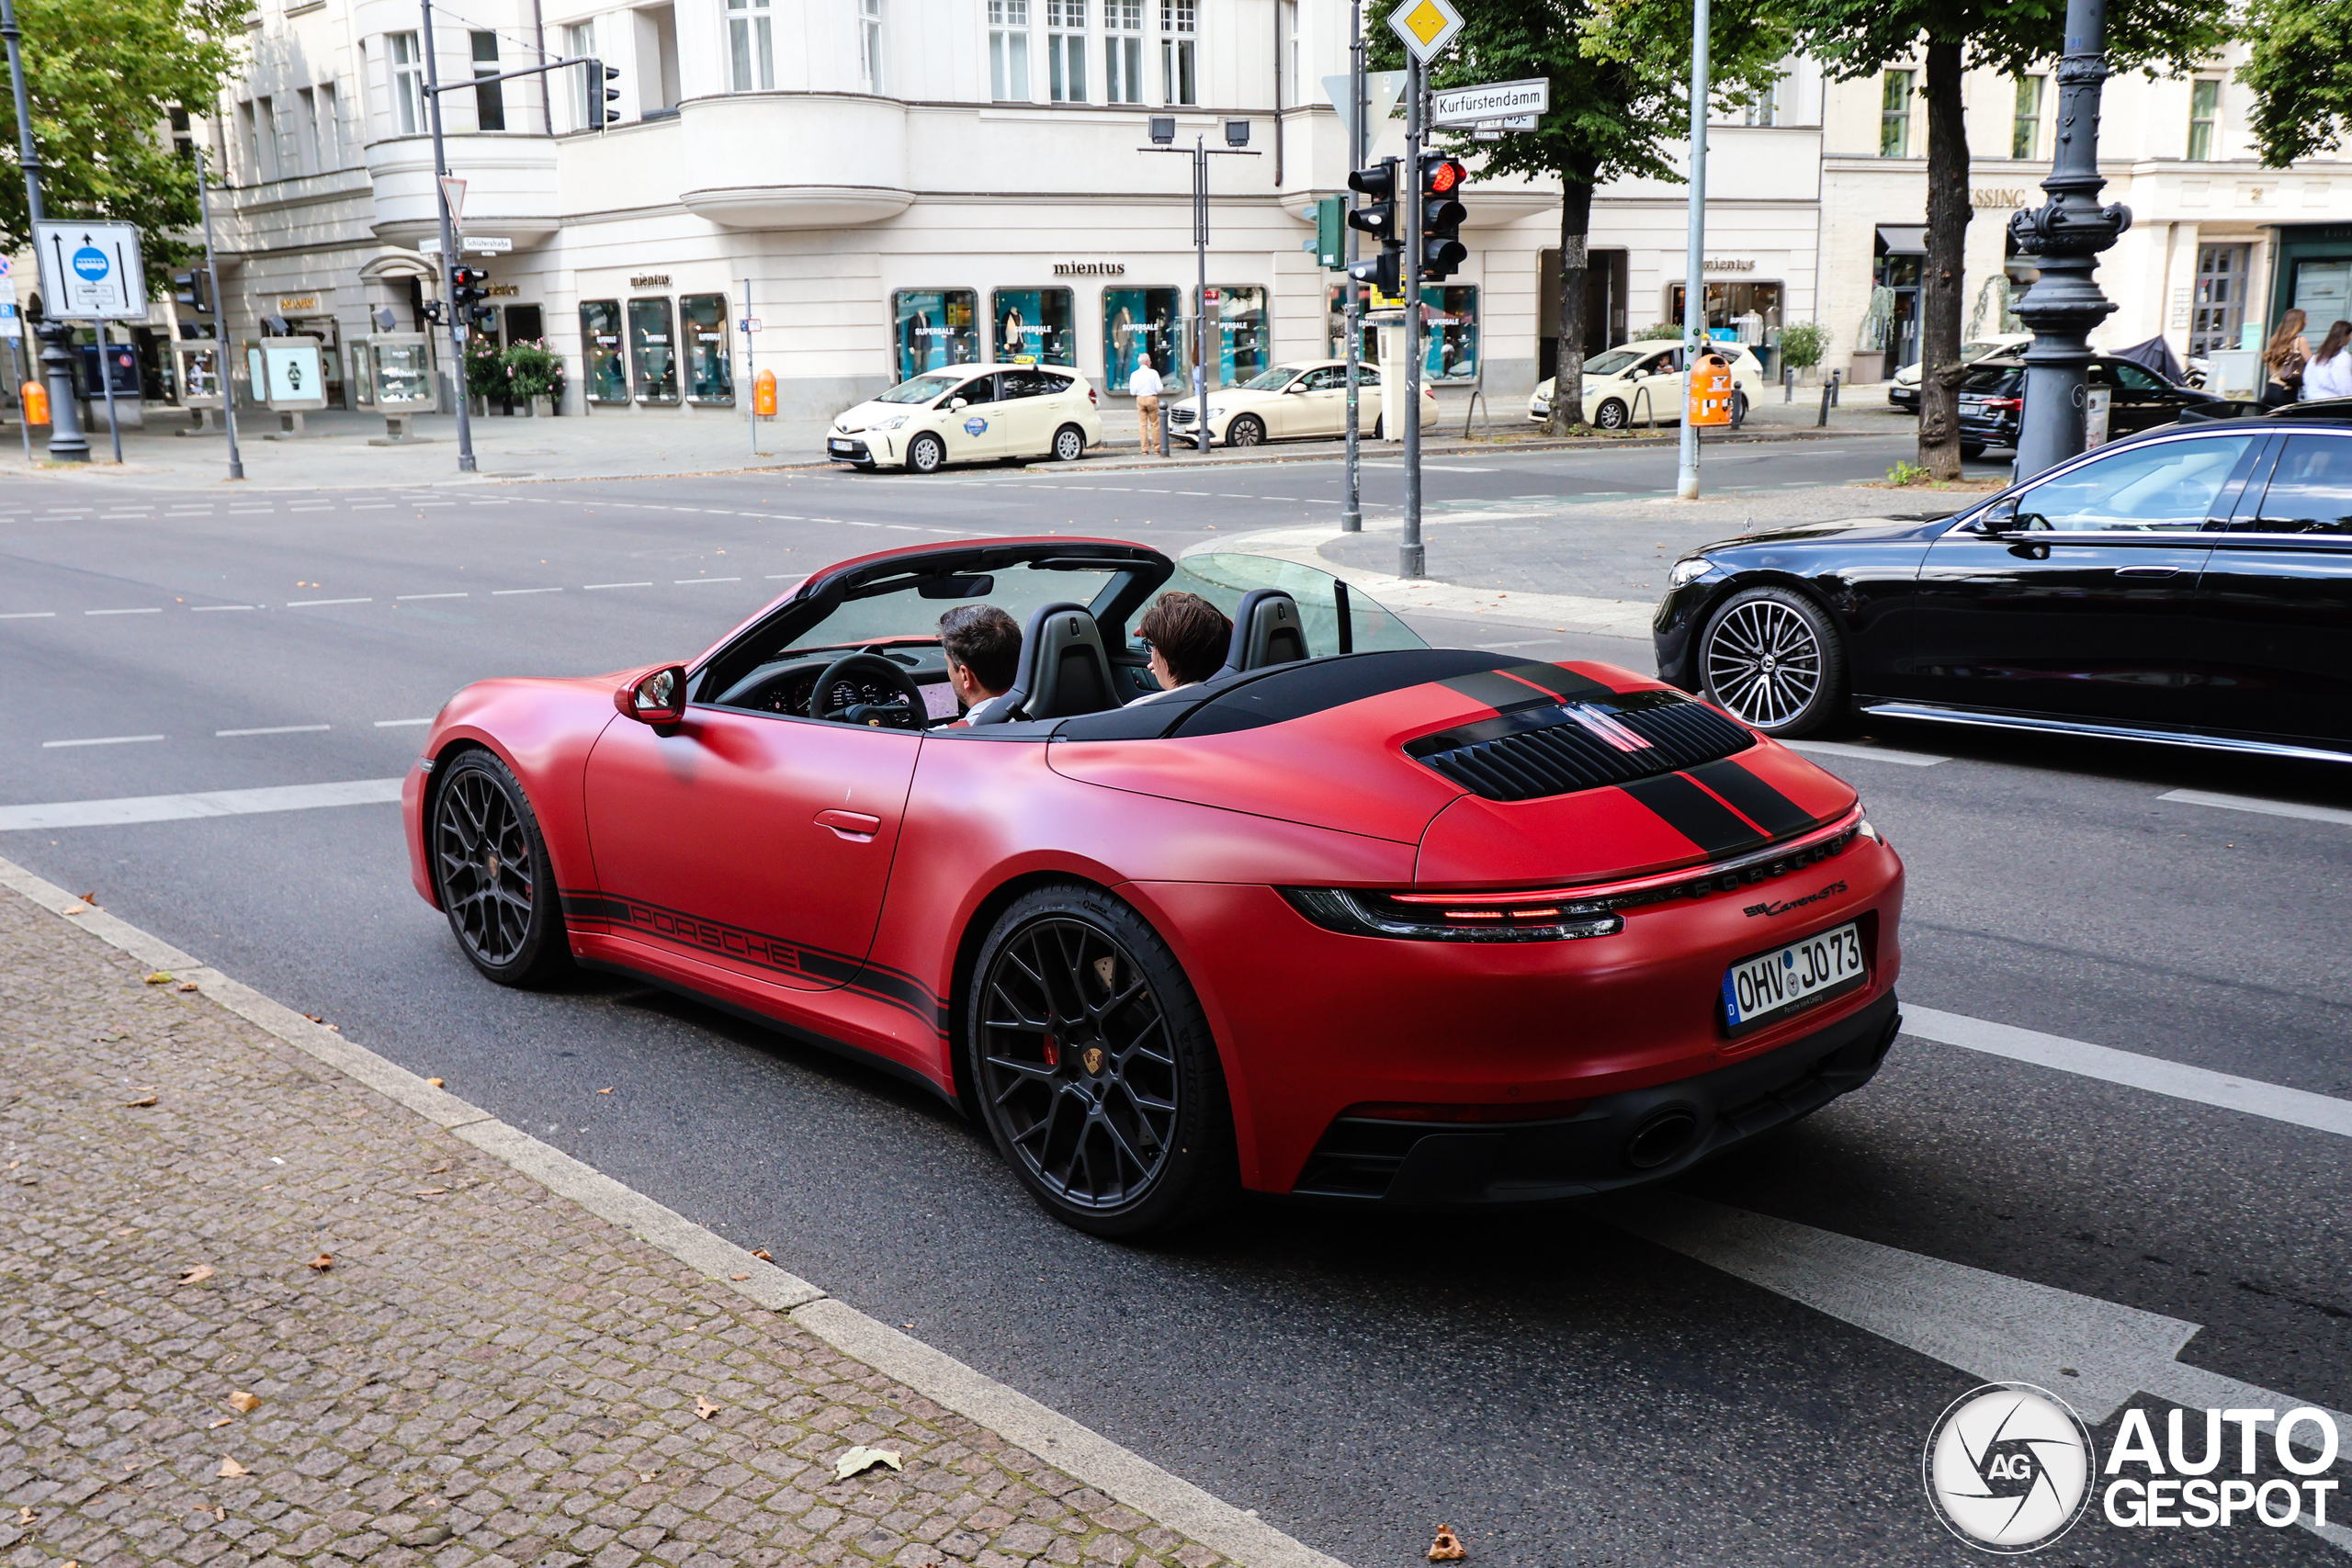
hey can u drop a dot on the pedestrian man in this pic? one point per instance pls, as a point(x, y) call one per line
point(1144, 382)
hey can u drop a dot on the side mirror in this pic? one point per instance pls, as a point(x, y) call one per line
point(956, 403)
point(658, 697)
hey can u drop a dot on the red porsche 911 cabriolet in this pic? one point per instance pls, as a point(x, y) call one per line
point(1355, 919)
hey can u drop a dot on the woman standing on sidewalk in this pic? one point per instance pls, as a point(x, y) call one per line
point(2283, 361)
point(2329, 375)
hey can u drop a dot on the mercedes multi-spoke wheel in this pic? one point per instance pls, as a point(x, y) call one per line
point(1247, 430)
point(1094, 1068)
point(490, 867)
point(1773, 659)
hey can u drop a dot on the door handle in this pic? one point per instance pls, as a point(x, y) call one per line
point(855, 826)
point(2147, 571)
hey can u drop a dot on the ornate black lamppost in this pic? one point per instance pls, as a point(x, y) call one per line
point(2066, 235)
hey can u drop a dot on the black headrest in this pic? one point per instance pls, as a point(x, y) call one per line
point(1063, 669)
point(1266, 630)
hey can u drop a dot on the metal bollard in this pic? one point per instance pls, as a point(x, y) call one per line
point(1826, 388)
point(1836, 384)
point(1788, 386)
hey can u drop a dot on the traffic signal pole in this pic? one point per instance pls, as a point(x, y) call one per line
point(220, 318)
point(1411, 558)
point(449, 258)
point(1359, 149)
point(1694, 272)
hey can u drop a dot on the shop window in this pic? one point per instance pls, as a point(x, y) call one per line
point(653, 350)
point(869, 44)
point(408, 85)
point(1239, 337)
point(935, 328)
point(1451, 351)
point(1066, 50)
point(1179, 28)
point(2223, 278)
point(1744, 313)
point(2204, 108)
point(2323, 289)
point(606, 377)
point(1123, 51)
point(1008, 50)
point(2024, 124)
point(490, 100)
point(750, 46)
point(1035, 326)
point(1137, 321)
point(1894, 115)
point(702, 327)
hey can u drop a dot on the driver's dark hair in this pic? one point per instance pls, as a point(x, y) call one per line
point(985, 640)
point(1190, 633)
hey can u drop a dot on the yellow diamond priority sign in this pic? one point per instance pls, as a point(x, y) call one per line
point(1426, 26)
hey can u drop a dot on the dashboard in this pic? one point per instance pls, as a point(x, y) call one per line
point(786, 684)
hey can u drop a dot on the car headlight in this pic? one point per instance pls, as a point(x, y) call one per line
point(889, 424)
point(1215, 412)
point(1359, 912)
point(1687, 571)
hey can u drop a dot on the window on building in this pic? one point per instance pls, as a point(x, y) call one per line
point(1137, 321)
point(1035, 326)
point(702, 323)
point(490, 102)
point(1894, 115)
point(249, 141)
point(606, 380)
point(1237, 335)
point(2025, 125)
point(1123, 51)
point(2204, 108)
point(579, 43)
point(1766, 108)
point(750, 46)
point(285, 118)
point(183, 135)
point(935, 328)
point(1066, 50)
point(408, 85)
point(1287, 73)
point(331, 125)
point(1449, 353)
point(869, 44)
point(1008, 50)
point(653, 350)
point(314, 152)
point(2222, 278)
point(1178, 44)
point(273, 147)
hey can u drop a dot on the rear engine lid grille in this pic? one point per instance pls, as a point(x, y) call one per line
point(1558, 748)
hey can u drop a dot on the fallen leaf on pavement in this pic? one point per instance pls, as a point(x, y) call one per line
point(224, 1421)
point(703, 1407)
point(187, 984)
point(91, 899)
point(243, 1402)
point(603, 1091)
point(25, 1515)
point(198, 1274)
point(220, 1515)
point(147, 1098)
point(160, 977)
point(738, 1275)
point(438, 1168)
point(429, 1192)
point(435, 1082)
point(322, 1262)
point(761, 1253)
point(231, 1467)
point(863, 1458)
point(1447, 1547)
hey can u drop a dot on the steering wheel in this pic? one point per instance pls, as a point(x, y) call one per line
point(908, 713)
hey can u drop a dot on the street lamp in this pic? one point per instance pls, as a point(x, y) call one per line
point(2064, 235)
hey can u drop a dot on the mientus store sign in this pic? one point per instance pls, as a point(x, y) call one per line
point(1090, 270)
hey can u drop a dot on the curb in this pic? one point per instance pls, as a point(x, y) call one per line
point(1075, 1449)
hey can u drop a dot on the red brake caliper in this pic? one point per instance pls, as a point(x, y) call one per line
point(1052, 1046)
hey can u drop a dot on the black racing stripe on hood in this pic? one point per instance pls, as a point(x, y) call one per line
point(1753, 798)
point(1693, 813)
point(1294, 691)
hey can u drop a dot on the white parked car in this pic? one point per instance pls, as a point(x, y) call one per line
point(1626, 385)
point(971, 413)
point(1903, 391)
point(1302, 397)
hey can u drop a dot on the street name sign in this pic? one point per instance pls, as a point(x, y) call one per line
point(1426, 26)
point(1496, 100)
point(753, 325)
point(91, 271)
point(488, 244)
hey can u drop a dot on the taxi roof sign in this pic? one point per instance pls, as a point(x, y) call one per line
point(1427, 26)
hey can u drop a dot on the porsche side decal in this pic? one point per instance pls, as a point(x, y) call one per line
point(760, 950)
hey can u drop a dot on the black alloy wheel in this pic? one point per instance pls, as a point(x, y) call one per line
point(1772, 659)
point(490, 868)
point(1070, 444)
point(1247, 430)
point(926, 454)
point(1612, 415)
point(1094, 1068)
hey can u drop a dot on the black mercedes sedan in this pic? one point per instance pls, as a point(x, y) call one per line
point(1991, 400)
point(2191, 585)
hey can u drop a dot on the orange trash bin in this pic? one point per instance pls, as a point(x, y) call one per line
point(764, 393)
point(36, 400)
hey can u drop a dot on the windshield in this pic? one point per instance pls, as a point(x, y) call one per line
point(1273, 380)
point(923, 388)
point(1222, 577)
point(1611, 363)
point(1018, 591)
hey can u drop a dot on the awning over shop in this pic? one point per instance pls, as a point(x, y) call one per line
point(1903, 239)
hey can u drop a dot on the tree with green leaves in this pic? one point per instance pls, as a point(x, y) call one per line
point(2300, 65)
point(1620, 73)
point(1855, 39)
point(103, 77)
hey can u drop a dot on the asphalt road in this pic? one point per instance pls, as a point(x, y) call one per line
point(1558, 1390)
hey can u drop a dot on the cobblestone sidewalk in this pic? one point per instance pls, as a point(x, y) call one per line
point(251, 1312)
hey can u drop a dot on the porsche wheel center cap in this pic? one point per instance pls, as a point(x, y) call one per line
point(1092, 1058)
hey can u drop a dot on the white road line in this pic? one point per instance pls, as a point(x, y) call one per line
point(372, 506)
point(1539, 642)
point(147, 610)
point(506, 593)
point(689, 582)
point(305, 603)
point(29, 615)
point(181, 807)
point(275, 729)
point(593, 586)
point(2266, 808)
point(200, 608)
point(400, 723)
point(2297, 1107)
point(1866, 754)
point(101, 740)
point(405, 597)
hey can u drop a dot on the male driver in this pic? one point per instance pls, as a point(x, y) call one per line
point(1188, 638)
point(1145, 384)
point(983, 646)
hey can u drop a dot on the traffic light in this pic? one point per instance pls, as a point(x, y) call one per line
point(1378, 216)
point(468, 287)
point(1442, 214)
point(601, 98)
point(192, 291)
point(1330, 233)
point(1382, 274)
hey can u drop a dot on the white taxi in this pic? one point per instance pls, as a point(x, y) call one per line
point(1640, 381)
point(1302, 397)
point(971, 413)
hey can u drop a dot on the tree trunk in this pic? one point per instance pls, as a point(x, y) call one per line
point(1568, 358)
point(1940, 288)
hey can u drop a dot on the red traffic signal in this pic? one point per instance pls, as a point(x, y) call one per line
point(1440, 175)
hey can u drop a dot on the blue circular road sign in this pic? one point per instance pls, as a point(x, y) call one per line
point(91, 263)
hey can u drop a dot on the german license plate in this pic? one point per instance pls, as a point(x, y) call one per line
point(844, 446)
point(1758, 989)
